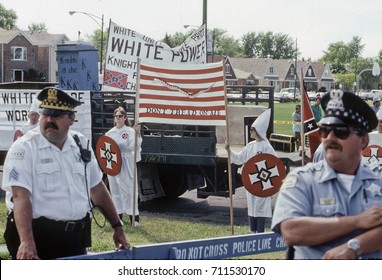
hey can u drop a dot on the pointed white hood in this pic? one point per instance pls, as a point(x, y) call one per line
point(379, 114)
point(34, 107)
point(261, 124)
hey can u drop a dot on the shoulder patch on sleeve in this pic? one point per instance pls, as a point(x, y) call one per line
point(17, 154)
point(290, 182)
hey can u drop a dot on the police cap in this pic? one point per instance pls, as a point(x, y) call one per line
point(55, 101)
point(346, 108)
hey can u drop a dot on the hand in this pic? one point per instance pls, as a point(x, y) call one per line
point(120, 239)
point(27, 251)
point(227, 144)
point(137, 128)
point(370, 218)
point(340, 253)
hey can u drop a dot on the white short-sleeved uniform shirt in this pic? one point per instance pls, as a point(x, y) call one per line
point(54, 177)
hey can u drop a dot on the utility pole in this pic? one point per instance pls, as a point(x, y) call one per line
point(205, 12)
point(295, 73)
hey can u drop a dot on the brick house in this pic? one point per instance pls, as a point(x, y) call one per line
point(281, 73)
point(28, 56)
point(277, 73)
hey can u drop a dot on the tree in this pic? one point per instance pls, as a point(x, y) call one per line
point(250, 44)
point(345, 81)
point(267, 44)
point(343, 57)
point(7, 18)
point(222, 44)
point(225, 45)
point(96, 40)
point(37, 26)
point(177, 39)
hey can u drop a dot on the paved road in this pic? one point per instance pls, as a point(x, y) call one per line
point(212, 209)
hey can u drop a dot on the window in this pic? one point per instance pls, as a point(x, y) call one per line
point(19, 53)
point(271, 70)
point(17, 75)
point(227, 68)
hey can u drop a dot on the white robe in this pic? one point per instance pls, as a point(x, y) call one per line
point(257, 206)
point(121, 185)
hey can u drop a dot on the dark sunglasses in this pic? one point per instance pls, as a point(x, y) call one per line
point(341, 132)
point(119, 116)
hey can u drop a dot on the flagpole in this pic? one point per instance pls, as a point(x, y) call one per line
point(229, 162)
point(136, 121)
point(302, 119)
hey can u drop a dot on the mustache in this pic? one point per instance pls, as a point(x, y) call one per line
point(332, 145)
point(51, 125)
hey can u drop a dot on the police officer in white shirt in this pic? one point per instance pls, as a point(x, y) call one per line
point(332, 209)
point(50, 183)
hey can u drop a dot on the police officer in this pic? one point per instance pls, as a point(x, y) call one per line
point(332, 209)
point(50, 184)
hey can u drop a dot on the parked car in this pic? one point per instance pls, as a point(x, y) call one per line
point(374, 93)
point(282, 97)
point(290, 92)
point(312, 95)
point(363, 95)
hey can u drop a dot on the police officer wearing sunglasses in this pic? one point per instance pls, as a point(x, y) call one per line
point(332, 209)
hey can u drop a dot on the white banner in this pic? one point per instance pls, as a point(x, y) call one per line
point(125, 46)
point(14, 107)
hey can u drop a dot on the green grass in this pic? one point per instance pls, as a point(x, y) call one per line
point(283, 112)
point(156, 228)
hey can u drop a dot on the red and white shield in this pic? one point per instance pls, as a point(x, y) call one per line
point(17, 135)
point(108, 155)
point(372, 154)
point(262, 175)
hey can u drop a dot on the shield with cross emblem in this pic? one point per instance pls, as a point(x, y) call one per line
point(372, 154)
point(262, 175)
point(108, 155)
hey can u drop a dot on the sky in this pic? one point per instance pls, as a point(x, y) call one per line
point(313, 23)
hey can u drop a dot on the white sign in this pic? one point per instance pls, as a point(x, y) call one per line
point(125, 46)
point(14, 107)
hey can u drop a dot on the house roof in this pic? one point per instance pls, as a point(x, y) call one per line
point(260, 67)
point(240, 74)
point(215, 58)
point(43, 38)
point(7, 35)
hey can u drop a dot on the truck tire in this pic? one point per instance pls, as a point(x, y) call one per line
point(173, 184)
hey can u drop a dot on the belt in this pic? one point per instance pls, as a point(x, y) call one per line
point(69, 226)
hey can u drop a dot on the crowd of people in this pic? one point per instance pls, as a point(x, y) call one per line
point(330, 208)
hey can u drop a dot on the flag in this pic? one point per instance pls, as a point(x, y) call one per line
point(115, 79)
point(179, 93)
point(310, 124)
